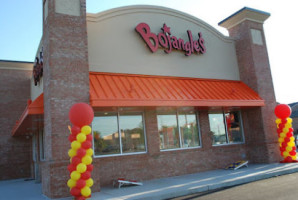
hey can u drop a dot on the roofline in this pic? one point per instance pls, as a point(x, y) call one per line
point(244, 8)
point(16, 61)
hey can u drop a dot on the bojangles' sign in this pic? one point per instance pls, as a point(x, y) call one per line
point(165, 40)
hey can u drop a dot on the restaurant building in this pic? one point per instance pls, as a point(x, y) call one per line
point(171, 95)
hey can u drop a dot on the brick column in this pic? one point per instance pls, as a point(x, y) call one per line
point(246, 27)
point(66, 81)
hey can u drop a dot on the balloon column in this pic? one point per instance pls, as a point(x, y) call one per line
point(80, 167)
point(285, 133)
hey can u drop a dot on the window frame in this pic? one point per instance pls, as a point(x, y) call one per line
point(120, 138)
point(179, 132)
point(226, 128)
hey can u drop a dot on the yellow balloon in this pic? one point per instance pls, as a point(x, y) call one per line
point(75, 145)
point(279, 146)
point(293, 157)
point(285, 154)
point(288, 149)
point(289, 120)
point(288, 125)
point(86, 191)
point(72, 153)
point(285, 130)
point(81, 137)
point(86, 130)
point(89, 152)
point(87, 160)
point(278, 121)
point(292, 139)
point(291, 144)
point(280, 140)
point(282, 135)
point(89, 182)
point(75, 175)
point(71, 183)
point(81, 167)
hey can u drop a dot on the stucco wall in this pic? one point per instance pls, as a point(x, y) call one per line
point(115, 46)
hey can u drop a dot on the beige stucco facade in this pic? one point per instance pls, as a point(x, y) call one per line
point(115, 46)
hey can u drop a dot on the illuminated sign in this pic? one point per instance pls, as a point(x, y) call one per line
point(168, 42)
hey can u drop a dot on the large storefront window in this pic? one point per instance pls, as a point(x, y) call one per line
point(107, 126)
point(178, 130)
point(226, 127)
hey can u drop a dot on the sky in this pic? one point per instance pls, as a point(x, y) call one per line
point(21, 30)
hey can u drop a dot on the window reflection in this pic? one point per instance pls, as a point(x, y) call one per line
point(132, 132)
point(106, 136)
point(188, 130)
point(234, 127)
point(168, 132)
point(217, 127)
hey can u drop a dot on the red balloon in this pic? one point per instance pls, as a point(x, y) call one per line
point(287, 139)
point(76, 160)
point(75, 191)
point(284, 144)
point(291, 129)
point(90, 168)
point(81, 198)
point(71, 168)
point(89, 138)
point(80, 183)
point(282, 149)
point(288, 159)
point(86, 175)
point(71, 138)
point(282, 111)
point(81, 114)
point(292, 153)
point(294, 148)
point(279, 130)
point(86, 145)
point(289, 134)
point(281, 126)
point(75, 130)
point(81, 152)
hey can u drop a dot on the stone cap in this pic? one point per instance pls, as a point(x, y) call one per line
point(242, 15)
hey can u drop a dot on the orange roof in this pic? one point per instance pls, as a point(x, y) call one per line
point(108, 89)
point(30, 115)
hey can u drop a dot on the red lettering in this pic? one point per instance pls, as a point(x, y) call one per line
point(144, 30)
point(167, 42)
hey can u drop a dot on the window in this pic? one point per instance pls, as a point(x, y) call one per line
point(178, 130)
point(108, 126)
point(226, 127)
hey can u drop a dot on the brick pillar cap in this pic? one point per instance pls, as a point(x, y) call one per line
point(242, 15)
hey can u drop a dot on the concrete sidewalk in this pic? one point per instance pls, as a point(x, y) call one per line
point(162, 188)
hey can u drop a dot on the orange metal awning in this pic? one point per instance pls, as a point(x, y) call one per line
point(30, 117)
point(108, 89)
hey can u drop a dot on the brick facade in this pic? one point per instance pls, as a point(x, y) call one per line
point(255, 71)
point(66, 81)
point(14, 151)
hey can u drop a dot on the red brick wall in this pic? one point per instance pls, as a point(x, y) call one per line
point(255, 71)
point(66, 81)
point(156, 164)
point(14, 151)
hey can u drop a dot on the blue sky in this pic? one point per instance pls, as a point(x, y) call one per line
point(21, 30)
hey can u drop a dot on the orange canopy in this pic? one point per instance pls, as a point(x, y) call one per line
point(30, 118)
point(108, 89)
